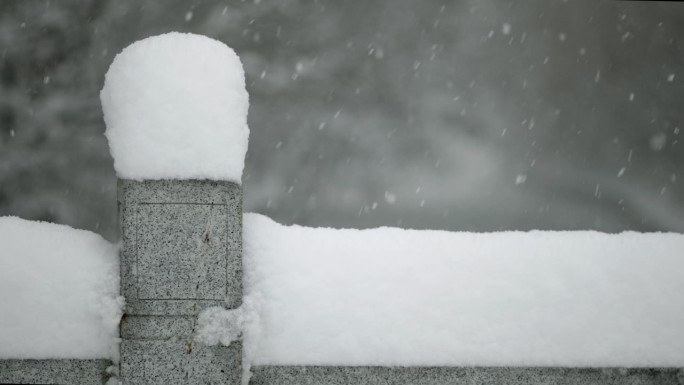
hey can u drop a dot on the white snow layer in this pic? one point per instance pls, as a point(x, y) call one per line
point(59, 292)
point(218, 325)
point(388, 296)
point(175, 106)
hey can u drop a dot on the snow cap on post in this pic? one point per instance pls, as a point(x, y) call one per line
point(175, 106)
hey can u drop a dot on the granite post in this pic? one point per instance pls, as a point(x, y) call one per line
point(181, 253)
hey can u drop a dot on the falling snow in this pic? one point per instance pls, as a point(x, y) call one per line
point(390, 198)
point(621, 172)
point(658, 141)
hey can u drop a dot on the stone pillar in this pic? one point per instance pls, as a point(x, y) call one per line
point(181, 253)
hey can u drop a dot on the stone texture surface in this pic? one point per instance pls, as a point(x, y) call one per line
point(170, 307)
point(181, 253)
point(182, 242)
point(328, 375)
point(67, 372)
point(177, 361)
point(156, 327)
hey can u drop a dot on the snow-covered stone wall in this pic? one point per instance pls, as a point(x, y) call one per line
point(324, 306)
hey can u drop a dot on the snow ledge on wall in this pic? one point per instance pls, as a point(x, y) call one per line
point(59, 290)
point(395, 297)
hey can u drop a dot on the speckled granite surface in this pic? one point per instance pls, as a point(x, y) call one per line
point(181, 253)
point(176, 361)
point(67, 372)
point(327, 375)
point(182, 245)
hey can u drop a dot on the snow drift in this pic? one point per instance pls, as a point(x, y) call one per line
point(389, 296)
point(59, 292)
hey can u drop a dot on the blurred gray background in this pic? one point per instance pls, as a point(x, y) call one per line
point(475, 115)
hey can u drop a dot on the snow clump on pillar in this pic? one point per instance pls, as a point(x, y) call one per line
point(175, 106)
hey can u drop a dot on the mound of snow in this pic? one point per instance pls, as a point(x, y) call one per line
point(218, 325)
point(59, 292)
point(175, 106)
point(389, 296)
